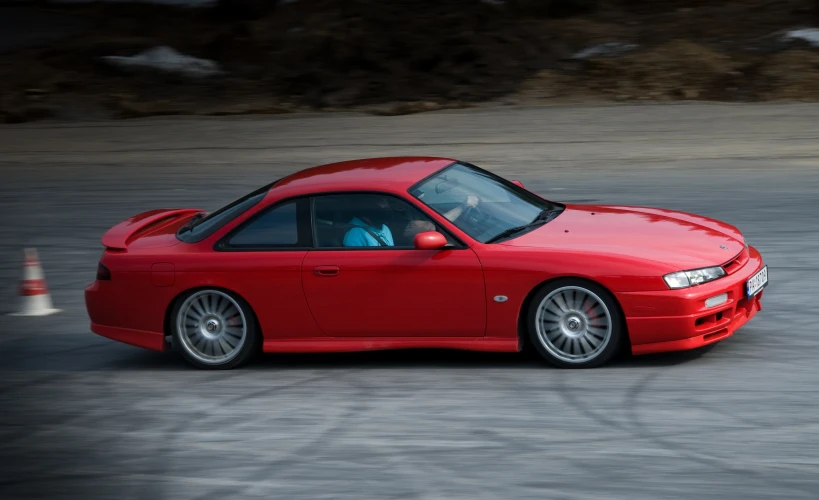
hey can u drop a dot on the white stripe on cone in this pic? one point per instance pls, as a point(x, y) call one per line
point(33, 290)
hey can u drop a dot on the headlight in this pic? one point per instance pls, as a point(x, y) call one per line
point(684, 279)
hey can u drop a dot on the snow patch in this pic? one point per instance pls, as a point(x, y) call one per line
point(810, 35)
point(604, 50)
point(166, 59)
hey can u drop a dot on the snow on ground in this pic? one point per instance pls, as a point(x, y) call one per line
point(166, 59)
point(810, 35)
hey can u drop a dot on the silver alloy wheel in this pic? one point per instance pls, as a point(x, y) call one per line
point(212, 327)
point(573, 324)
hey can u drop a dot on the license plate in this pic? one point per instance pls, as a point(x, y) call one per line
point(756, 282)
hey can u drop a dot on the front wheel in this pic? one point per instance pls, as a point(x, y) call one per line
point(575, 324)
point(214, 329)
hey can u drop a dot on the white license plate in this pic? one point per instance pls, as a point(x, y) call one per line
point(757, 282)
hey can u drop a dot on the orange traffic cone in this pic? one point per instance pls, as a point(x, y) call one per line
point(33, 289)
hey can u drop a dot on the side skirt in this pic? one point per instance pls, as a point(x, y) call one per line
point(353, 344)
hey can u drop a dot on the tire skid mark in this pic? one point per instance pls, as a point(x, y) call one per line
point(336, 428)
point(408, 471)
point(44, 470)
point(567, 395)
point(31, 429)
point(639, 430)
point(631, 404)
point(199, 415)
point(269, 469)
point(166, 447)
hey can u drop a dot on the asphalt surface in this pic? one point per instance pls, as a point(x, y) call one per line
point(84, 417)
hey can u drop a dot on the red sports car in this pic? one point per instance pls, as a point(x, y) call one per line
point(412, 252)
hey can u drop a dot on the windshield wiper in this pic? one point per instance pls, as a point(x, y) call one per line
point(542, 218)
point(190, 224)
point(513, 230)
point(544, 215)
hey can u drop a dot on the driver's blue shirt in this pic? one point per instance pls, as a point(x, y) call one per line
point(359, 237)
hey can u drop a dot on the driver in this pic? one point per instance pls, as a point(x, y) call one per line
point(419, 226)
point(470, 202)
point(369, 227)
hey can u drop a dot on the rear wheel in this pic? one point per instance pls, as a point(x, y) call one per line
point(214, 329)
point(575, 324)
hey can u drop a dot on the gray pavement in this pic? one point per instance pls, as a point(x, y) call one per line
point(84, 417)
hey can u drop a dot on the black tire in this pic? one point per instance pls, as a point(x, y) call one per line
point(555, 345)
point(193, 339)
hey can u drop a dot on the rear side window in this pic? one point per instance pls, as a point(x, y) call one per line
point(276, 227)
point(285, 225)
point(200, 229)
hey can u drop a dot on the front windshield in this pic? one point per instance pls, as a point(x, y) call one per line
point(486, 207)
point(200, 228)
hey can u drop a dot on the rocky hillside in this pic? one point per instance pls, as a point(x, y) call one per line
point(252, 56)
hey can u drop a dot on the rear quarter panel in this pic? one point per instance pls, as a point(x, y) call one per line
point(129, 300)
point(269, 281)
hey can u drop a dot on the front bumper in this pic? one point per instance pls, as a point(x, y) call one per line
point(676, 320)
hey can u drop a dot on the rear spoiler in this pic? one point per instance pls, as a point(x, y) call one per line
point(123, 233)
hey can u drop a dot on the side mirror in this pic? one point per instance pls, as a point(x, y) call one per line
point(517, 183)
point(429, 240)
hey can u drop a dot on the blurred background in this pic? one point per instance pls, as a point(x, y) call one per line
point(110, 109)
point(83, 58)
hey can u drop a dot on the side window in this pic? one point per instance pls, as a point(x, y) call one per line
point(276, 227)
point(359, 220)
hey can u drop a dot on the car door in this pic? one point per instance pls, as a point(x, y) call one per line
point(389, 291)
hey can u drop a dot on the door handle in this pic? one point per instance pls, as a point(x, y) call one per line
point(325, 270)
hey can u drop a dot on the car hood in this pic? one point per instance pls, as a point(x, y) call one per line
point(678, 239)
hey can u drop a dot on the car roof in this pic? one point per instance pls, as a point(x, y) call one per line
point(393, 174)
